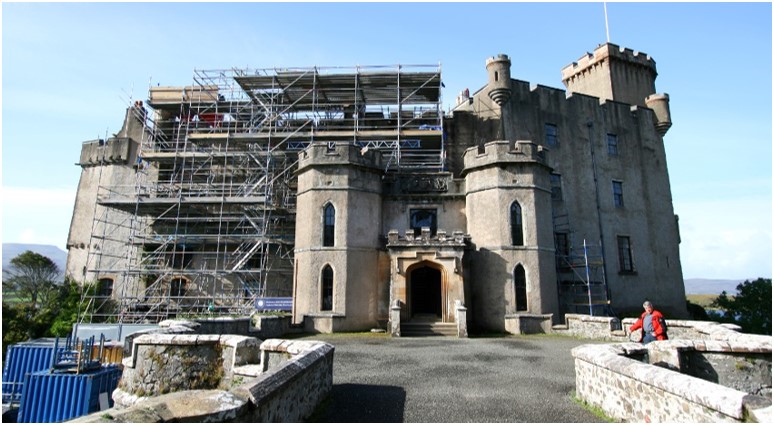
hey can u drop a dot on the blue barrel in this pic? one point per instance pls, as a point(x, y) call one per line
point(21, 359)
point(57, 397)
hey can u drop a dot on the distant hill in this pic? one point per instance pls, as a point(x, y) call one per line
point(57, 255)
point(711, 286)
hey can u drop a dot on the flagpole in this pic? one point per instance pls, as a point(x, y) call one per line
point(607, 28)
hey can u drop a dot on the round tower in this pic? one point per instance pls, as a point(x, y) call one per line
point(499, 69)
point(659, 103)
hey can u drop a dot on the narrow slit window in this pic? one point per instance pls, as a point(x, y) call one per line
point(520, 288)
point(517, 231)
point(329, 225)
point(327, 289)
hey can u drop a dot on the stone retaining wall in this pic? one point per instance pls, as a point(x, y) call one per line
point(288, 391)
point(613, 378)
point(164, 363)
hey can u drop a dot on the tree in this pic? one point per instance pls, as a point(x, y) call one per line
point(751, 307)
point(32, 277)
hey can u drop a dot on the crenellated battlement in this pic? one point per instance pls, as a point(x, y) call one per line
point(502, 151)
point(321, 153)
point(608, 51)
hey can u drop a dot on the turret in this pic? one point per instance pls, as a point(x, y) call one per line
point(499, 69)
point(659, 103)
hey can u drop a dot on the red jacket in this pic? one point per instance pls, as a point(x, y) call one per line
point(657, 319)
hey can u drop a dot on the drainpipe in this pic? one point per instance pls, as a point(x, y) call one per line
point(590, 125)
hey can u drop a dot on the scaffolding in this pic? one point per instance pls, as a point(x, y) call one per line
point(580, 270)
point(208, 224)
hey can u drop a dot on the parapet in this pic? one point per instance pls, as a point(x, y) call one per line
point(322, 153)
point(502, 151)
point(113, 151)
point(604, 51)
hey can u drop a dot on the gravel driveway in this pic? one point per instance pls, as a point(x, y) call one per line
point(443, 379)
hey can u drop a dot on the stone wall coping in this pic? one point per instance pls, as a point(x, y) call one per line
point(587, 318)
point(326, 315)
point(529, 316)
point(305, 354)
point(184, 406)
point(291, 347)
point(234, 341)
point(711, 395)
point(221, 319)
point(173, 323)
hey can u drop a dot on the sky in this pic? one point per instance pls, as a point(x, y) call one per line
point(69, 70)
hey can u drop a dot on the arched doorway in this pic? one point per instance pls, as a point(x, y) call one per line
point(426, 300)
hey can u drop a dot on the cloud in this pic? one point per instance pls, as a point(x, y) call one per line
point(725, 239)
point(37, 215)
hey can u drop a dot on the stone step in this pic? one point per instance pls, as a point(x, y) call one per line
point(428, 329)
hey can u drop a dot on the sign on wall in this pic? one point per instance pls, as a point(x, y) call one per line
point(274, 303)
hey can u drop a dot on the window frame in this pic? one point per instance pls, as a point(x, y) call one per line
point(433, 213)
point(326, 288)
point(105, 288)
point(520, 298)
point(551, 137)
point(329, 225)
point(625, 254)
point(556, 187)
point(612, 144)
point(516, 220)
point(618, 200)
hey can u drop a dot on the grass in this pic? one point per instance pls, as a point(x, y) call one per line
point(11, 297)
point(594, 410)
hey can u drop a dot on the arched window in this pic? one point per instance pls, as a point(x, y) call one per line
point(105, 288)
point(520, 288)
point(517, 232)
point(327, 289)
point(329, 224)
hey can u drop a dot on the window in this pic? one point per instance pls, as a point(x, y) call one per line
point(552, 135)
point(423, 218)
point(625, 262)
point(327, 289)
point(612, 145)
point(618, 194)
point(105, 288)
point(562, 243)
point(520, 288)
point(329, 224)
point(517, 232)
point(556, 187)
point(177, 287)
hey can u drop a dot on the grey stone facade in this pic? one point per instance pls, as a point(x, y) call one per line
point(522, 201)
point(597, 177)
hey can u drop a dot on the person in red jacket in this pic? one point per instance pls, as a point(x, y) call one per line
point(652, 323)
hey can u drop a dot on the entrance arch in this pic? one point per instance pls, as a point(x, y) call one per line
point(426, 294)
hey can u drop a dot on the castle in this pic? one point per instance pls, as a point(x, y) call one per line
point(353, 192)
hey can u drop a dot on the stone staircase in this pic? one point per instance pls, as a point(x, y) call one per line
point(428, 329)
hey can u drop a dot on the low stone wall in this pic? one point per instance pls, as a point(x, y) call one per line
point(299, 379)
point(271, 326)
point(165, 363)
point(591, 327)
point(291, 390)
point(225, 325)
point(325, 323)
point(519, 324)
point(615, 379)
